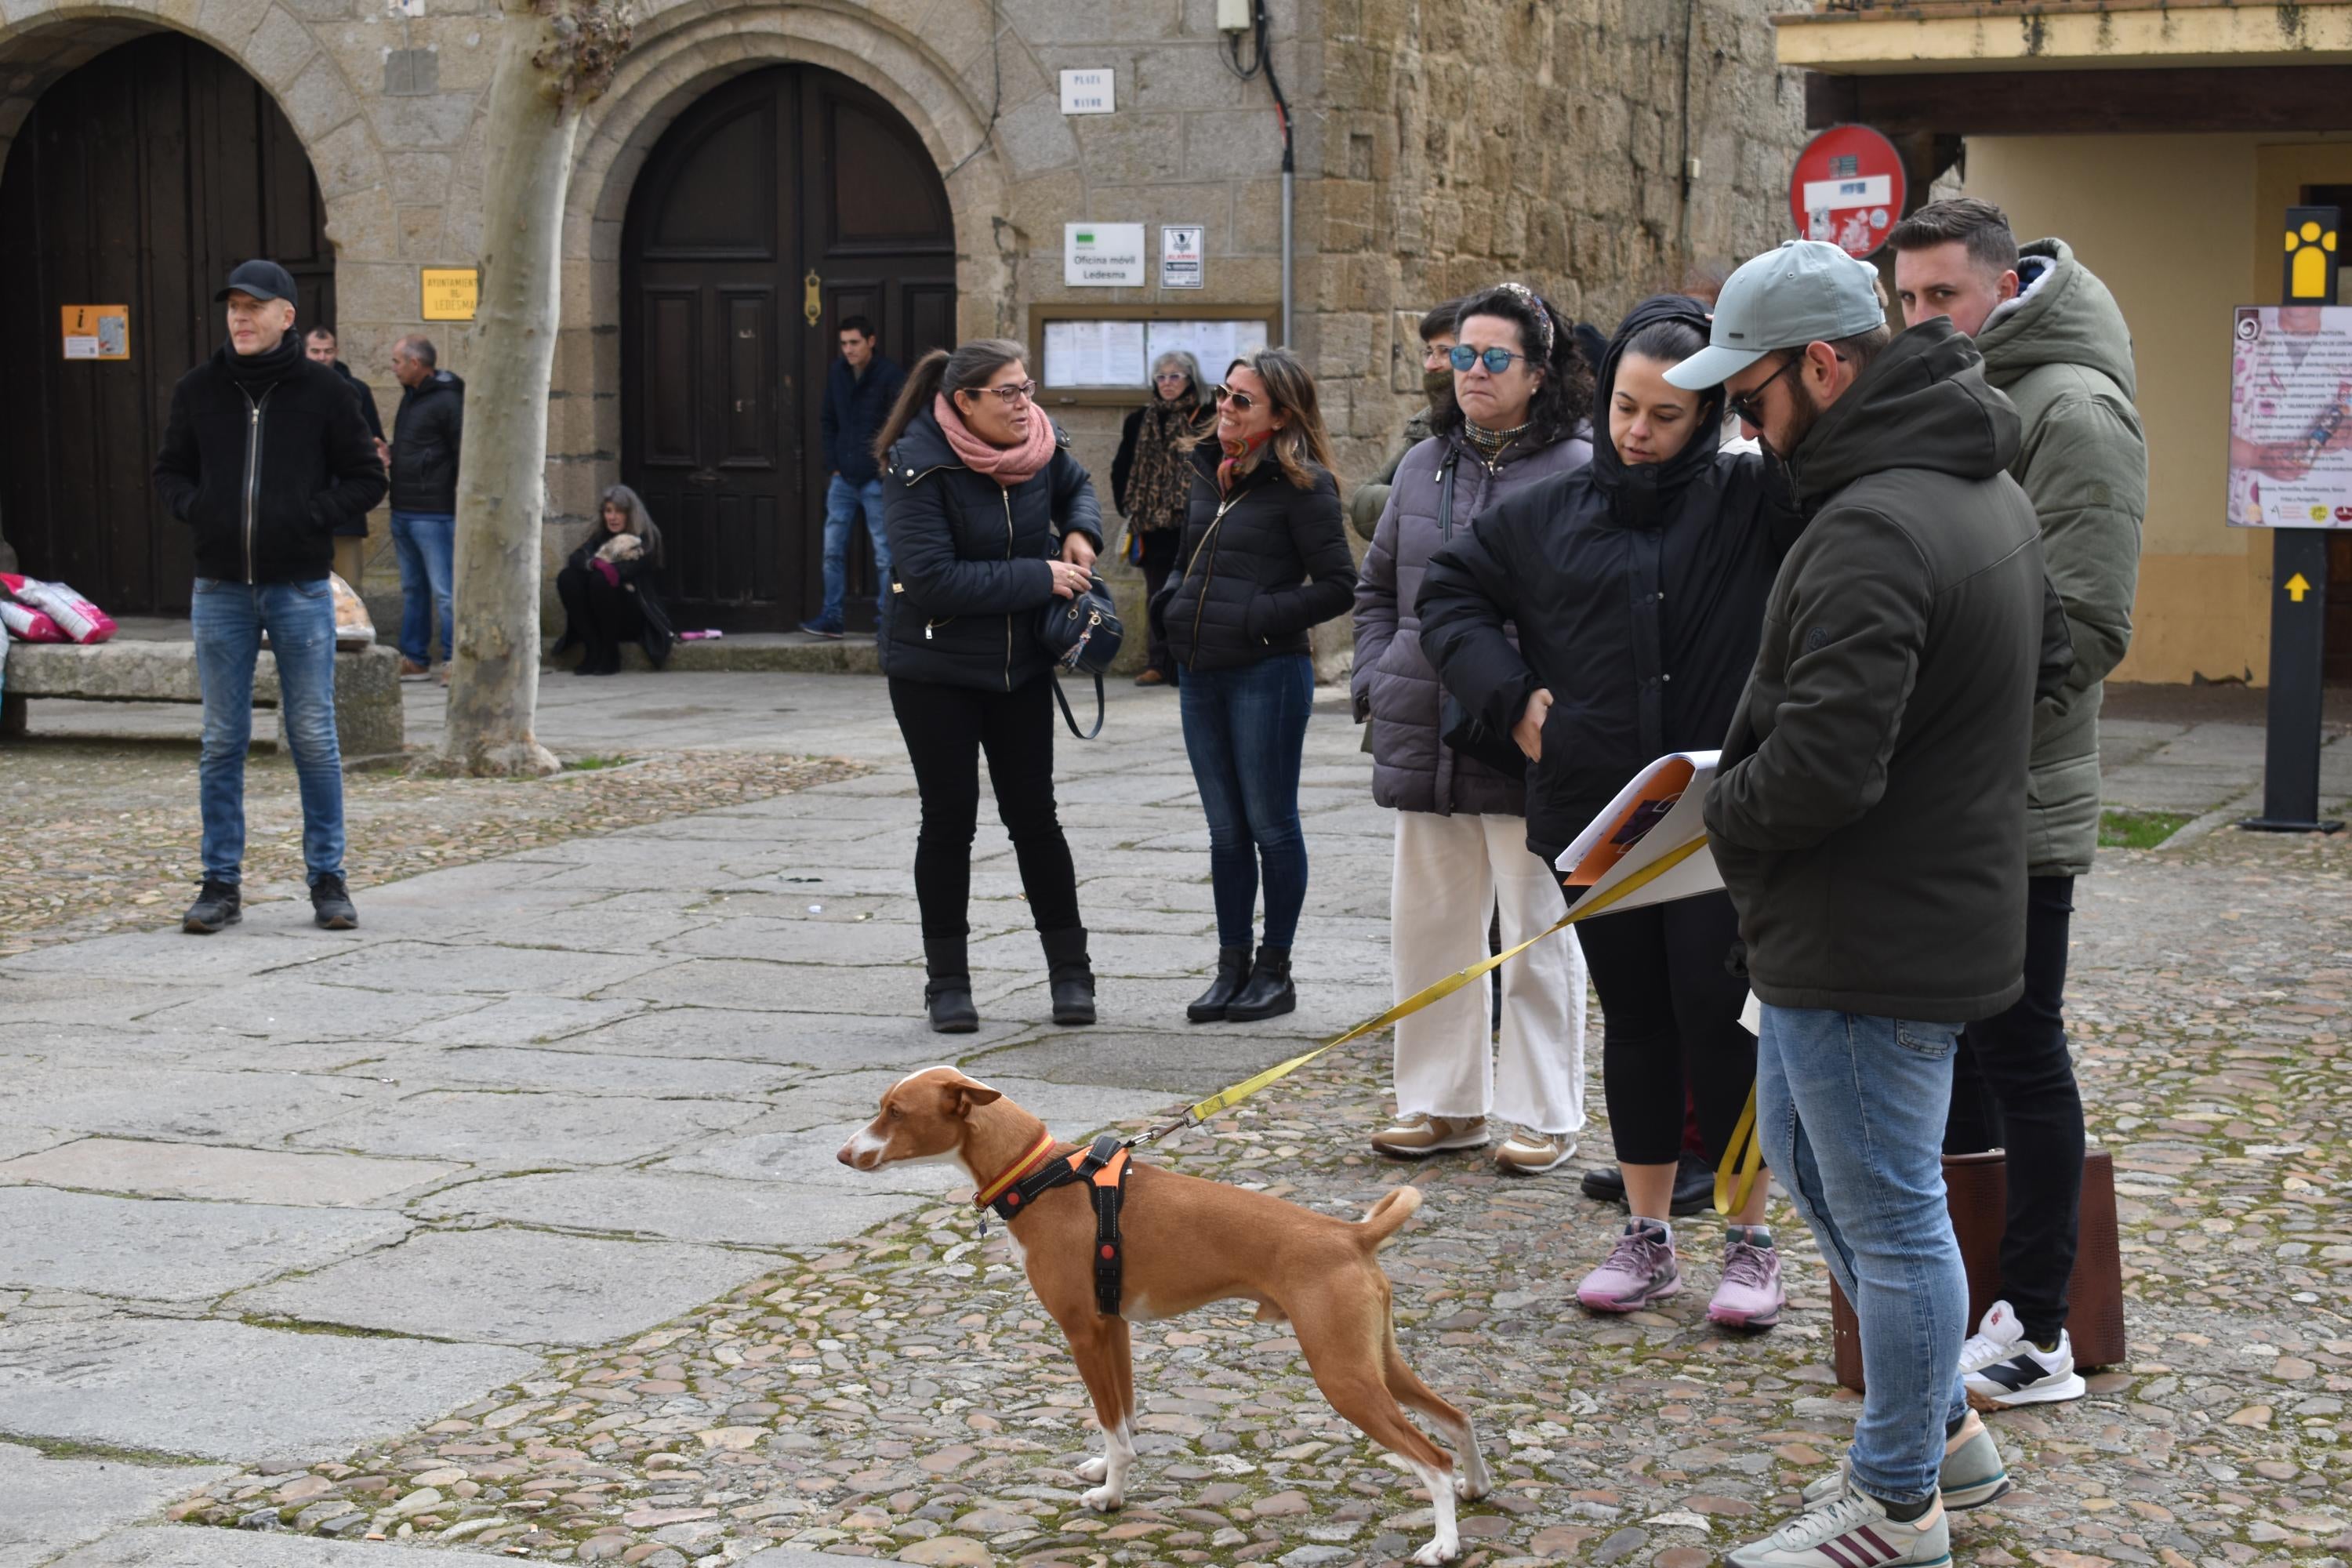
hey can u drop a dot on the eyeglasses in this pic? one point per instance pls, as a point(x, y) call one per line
point(1432, 355)
point(1012, 393)
point(1241, 401)
point(1176, 375)
point(1745, 406)
point(1496, 361)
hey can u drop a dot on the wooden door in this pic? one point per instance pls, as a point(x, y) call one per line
point(775, 206)
point(139, 179)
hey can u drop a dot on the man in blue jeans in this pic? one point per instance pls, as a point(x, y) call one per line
point(859, 394)
point(1869, 818)
point(427, 434)
point(266, 456)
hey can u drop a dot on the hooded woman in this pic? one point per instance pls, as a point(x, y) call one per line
point(1636, 585)
point(607, 588)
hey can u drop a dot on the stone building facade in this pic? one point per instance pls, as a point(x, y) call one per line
point(1592, 148)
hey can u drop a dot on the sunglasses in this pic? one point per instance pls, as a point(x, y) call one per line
point(1241, 401)
point(1496, 361)
point(1013, 394)
point(1745, 407)
point(1171, 375)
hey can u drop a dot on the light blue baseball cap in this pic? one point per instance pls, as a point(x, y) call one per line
point(1807, 291)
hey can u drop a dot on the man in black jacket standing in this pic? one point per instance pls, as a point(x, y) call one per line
point(426, 436)
point(859, 392)
point(265, 457)
point(319, 347)
point(1869, 819)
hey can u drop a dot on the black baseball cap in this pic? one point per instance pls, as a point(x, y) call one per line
point(262, 279)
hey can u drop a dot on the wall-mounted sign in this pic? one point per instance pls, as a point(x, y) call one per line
point(1088, 91)
point(2291, 418)
point(1180, 256)
point(97, 331)
point(451, 293)
point(1847, 189)
point(1103, 255)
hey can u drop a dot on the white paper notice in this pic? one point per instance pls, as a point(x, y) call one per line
point(1122, 346)
point(1085, 355)
point(1057, 353)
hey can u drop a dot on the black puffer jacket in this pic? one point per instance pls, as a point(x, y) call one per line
point(265, 461)
point(968, 559)
point(637, 576)
point(1260, 567)
point(426, 435)
point(1638, 594)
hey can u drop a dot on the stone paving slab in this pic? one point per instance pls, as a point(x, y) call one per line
point(211, 1171)
point(228, 1391)
point(53, 1504)
point(288, 1009)
point(551, 1067)
point(154, 955)
point(672, 1207)
point(509, 1286)
point(806, 1040)
point(522, 1021)
point(179, 1104)
point(144, 1250)
point(810, 940)
point(518, 1132)
point(15, 1141)
point(573, 970)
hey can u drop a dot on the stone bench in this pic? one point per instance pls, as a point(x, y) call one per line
point(367, 684)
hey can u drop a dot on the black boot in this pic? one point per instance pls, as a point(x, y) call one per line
point(947, 995)
point(1269, 992)
point(1233, 974)
point(1070, 974)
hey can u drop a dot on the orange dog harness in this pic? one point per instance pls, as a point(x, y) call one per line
point(1102, 1167)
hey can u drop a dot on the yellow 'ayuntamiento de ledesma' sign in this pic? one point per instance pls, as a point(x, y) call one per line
point(450, 293)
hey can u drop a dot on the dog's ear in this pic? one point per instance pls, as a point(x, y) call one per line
point(964, 1093)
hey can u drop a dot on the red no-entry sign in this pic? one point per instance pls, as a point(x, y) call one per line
point(1847, 189)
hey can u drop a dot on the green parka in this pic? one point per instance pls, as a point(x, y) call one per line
point(2061, 353)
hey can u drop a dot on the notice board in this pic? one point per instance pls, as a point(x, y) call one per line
point(1103, 354)
point(2291, 418)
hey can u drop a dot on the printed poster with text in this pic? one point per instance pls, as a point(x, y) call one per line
point(2291, 418)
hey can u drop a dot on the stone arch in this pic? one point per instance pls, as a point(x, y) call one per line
point(679, 56)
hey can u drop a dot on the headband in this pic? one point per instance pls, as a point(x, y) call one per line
point(1541, 312)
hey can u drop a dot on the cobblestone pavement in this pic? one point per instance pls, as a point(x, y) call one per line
point(891, 1389)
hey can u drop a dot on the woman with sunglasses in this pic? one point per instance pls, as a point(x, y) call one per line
point(1637, 589)
point(1150, 481)
point(1264, 558)
point(1516, 416)
point(989, 518)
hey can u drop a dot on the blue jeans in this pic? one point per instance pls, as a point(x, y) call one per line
point(842, 500)
point(1244, 730)
point(1851, 1110)
point(427, 545)
point(299, 617)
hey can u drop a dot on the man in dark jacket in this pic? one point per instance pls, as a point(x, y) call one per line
point(859, 394)
point(1372, 498)
point(428, 433)
point(265, 457)
point(318, 346)
point(1869, 821)
point(2055, 342)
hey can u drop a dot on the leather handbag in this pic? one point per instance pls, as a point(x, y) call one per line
point(1976, 1188)
point(1462, 730)
point(1081, 633)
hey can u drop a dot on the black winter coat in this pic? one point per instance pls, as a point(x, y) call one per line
point(968, 559)
point(1260, 567)
point(1639, 599)
point(426, 435)
point(855, 409)
point(365, 395)
point(267, 469)
point(638, 577)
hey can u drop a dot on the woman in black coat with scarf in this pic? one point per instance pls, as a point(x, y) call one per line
point(1637, 586)
point(607, 588)
point(989, 519)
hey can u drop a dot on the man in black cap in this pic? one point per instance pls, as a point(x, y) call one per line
point(264, 459)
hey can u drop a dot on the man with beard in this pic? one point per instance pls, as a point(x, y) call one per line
point(1869, 818)
point(1372, 498)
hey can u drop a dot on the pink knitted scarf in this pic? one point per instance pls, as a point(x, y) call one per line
point(1008, 466)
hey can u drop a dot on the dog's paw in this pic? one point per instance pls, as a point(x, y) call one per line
point(1470, 1488)
point(1103, 1499)
point(1093, 1470)
point(1436, 1551)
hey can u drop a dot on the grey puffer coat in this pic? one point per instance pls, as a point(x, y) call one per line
point(1394, 685)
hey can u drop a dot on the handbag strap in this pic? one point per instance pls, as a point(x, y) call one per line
point(1072, 719)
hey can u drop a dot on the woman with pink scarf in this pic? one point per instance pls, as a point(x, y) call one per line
point(989, 518)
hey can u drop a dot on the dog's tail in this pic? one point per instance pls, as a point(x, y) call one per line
point(1388, 1216)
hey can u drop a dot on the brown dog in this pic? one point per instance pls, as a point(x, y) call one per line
point(1188, 1243)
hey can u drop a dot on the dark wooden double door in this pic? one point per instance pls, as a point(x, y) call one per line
point(776, 207)
point(139, 179)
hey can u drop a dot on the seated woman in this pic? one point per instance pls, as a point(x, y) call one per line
point(607, 588)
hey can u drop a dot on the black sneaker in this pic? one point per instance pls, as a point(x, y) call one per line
point(331, 904)
point(218, 904)
point(1693, 1186)
point(831, 631)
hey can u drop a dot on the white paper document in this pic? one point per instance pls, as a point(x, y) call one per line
point(1655, 817)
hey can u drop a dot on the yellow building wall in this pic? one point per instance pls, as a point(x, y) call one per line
point(2182, 229)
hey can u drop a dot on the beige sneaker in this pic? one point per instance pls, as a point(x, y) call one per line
point(1531, 1153)
point(1416, 1137)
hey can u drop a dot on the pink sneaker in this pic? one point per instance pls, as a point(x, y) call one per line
point(1641, 1270)
point(1750, 1295)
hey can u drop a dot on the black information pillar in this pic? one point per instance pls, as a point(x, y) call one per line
point(2299, 582)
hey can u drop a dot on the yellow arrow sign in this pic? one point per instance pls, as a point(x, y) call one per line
point(2297, 587)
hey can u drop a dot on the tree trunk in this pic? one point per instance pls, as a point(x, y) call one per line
point(554, 56)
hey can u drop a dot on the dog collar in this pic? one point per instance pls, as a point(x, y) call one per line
point(1022, 1167)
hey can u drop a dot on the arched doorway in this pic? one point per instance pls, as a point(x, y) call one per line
point(139, 179)
point(773, 207)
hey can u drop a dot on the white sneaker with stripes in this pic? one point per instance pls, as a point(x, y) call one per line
point(1853, 1531)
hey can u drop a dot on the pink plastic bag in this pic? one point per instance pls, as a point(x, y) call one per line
point(26, 624)
point(80, 620)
